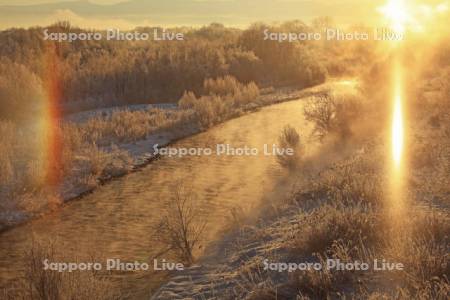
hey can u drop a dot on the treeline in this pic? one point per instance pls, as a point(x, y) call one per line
point(95, 73)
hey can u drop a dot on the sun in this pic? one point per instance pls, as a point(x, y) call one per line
point(396, 12)
point(402, 15)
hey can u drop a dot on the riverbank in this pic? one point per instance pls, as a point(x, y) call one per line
point(354, 229)
point(338, 233)
point(124, 158)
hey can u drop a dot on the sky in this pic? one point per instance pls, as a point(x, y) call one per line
point(27, 2)
point(127, 14)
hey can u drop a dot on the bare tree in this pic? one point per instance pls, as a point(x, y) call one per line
point(334, 114)
point(182, 227)
point(321, 110)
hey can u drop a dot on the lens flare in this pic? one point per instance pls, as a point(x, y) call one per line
point(51, 137)
point(397, 130)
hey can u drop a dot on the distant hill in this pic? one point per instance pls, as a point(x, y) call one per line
point(186, 12)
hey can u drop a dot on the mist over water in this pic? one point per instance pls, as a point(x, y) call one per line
point(117, 220)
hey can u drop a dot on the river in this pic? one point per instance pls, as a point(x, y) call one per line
point(117, 220)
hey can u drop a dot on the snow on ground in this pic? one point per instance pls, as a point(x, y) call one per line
point(232, 272)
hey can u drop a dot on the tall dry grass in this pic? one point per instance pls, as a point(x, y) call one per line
point(41, 284)
point(131, 126)
point(6, 153)
point(343, 213)
point(321, 229)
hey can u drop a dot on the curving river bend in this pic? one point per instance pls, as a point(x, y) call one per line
point(116, 221)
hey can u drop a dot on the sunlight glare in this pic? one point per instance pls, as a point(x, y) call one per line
point(397, 131)
point(395, 12)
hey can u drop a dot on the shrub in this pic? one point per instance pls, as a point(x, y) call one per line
point(289, 138)
point(320, 110)
point(221, 86)
point(211, 110)
point(222, 99)
point(333, 115)
point(248, 94)
point(228, 86)
point(187, 101)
